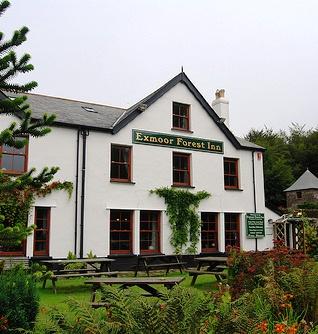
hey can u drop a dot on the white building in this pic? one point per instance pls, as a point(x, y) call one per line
point(114, 156)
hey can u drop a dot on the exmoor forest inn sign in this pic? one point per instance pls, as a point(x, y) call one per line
point(188, 143)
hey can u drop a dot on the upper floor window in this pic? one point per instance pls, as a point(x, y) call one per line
point(231, 173)
point(181, 169)
point(13, 160)
point(120, 169)
point(299, 194)
point(180, 116)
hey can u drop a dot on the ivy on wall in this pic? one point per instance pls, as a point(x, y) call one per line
point(15, 205)
point(183, 217)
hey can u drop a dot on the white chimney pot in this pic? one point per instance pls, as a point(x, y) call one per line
point(221, 106)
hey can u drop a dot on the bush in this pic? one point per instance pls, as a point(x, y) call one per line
point(246, 268)
point(19, 301)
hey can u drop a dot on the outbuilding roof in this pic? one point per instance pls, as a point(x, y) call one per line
point(306, 181)
point(112, 119)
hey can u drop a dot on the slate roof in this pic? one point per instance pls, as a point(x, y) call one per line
point(306, 181)
point(111, 119)
point(72, 112)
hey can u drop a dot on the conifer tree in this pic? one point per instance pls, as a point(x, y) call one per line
point(26, 186)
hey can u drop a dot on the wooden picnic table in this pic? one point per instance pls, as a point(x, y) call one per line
point(157, 262)
point(215, 266)
point(144, 283)
point(94, 267)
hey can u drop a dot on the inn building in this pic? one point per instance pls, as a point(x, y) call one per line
point(115, 156)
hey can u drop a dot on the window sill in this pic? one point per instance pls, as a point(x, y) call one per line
point(182, 130)
point(233, 189)
point(181, 186)
point(122, 181)
point(12, 173)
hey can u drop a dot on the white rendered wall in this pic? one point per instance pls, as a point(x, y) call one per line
point(151, 168)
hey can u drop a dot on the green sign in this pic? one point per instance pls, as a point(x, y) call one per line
point(255, 225)
point(188, 143)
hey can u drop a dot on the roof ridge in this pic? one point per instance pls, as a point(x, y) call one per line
point(69, 99)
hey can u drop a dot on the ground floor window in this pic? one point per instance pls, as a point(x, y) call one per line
point(209, 232)
point(19, 250)
point(149, 231)
point(232, 229)
point(121, 231)
point(42, 231)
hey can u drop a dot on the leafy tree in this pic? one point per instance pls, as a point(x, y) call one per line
point(278, 174)
point(303, 148)
point(18, 192)
point(286, 158)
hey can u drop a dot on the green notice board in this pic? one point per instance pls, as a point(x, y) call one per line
point(255, 225)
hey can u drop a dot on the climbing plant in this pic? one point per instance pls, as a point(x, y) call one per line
point(15, 205)
point(183, 217)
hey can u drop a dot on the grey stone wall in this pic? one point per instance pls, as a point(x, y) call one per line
point(309, 195)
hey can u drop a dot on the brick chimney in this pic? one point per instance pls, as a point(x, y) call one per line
point(221, 106)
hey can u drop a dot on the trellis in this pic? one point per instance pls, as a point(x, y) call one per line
point(290, 231)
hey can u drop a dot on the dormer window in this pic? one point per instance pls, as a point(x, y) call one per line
point(180, 116)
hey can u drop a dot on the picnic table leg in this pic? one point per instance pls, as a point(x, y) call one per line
point(95, 287)
point(146, 267)
point(194, 278)
point(180, 265)
point(150, 289)
point(54, 285)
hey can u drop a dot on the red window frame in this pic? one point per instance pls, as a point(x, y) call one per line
point(209, 232)
point(180, 116)
point(124, 153)
point(150, 217)
point(46, 218)
point(232, 229)
point(231, 177)
point(178, 171)
point(14, 251)
point(14, 152)
point(118, 229)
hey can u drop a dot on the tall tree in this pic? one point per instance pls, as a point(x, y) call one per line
point(17, 193)
point(303, 148)
point(278, 174)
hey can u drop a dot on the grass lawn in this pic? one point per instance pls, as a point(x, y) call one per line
point(75, 288)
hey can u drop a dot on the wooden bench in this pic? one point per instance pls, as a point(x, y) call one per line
point(58, 275)
point(10, 262)
point(219, 275)
point(145, 283)
point(158, 262)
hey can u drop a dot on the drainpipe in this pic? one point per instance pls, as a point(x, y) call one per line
point(254, 186)
point(76, 191)
point(254, 192)
point(84, 134)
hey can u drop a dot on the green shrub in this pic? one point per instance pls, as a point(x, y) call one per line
point(19, 301)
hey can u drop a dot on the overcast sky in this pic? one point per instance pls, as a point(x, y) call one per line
point(263, 53)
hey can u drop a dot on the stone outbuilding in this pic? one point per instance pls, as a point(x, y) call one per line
point(304, 189)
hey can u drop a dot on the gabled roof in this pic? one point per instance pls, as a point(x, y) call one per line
point(139, 107)
point(100, 117)
point(306, 181)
